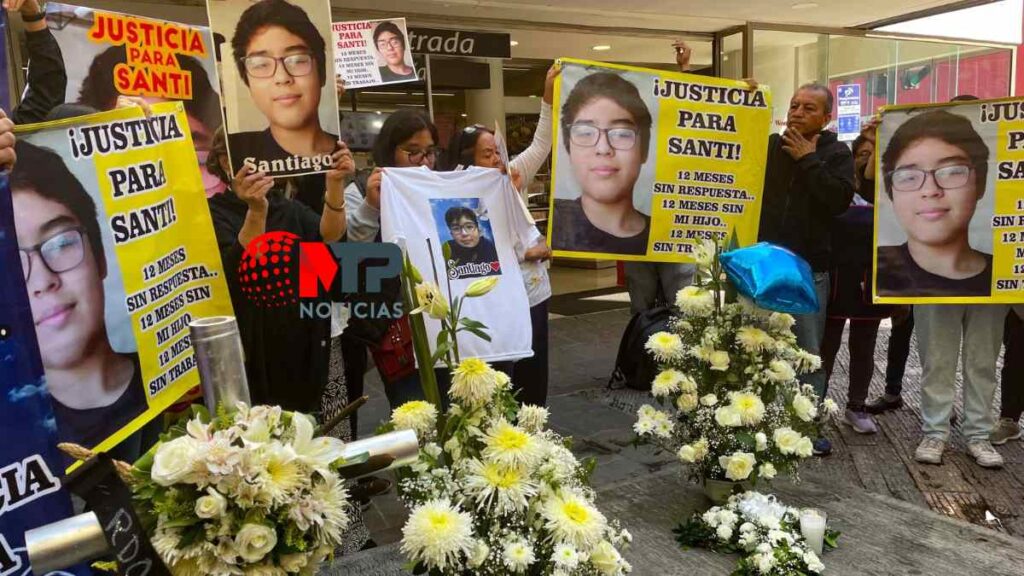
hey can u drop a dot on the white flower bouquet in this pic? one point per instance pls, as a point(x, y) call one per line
point(250, 491)
point(733, 407)
point(766, 532)
point(494, 493)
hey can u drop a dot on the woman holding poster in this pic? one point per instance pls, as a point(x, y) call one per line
point(281, 57)
point(607, 128)
point(391, 46)
point(935, 168)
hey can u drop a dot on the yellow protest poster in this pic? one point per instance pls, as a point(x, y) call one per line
point(649, 163)
point(949, 203)
point(119, 255)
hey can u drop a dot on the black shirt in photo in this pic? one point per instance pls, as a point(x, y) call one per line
point(90, 426)
point(573, 232)
point(388, 76)
point(262, 147)
point(900, 276)
point(478, 261)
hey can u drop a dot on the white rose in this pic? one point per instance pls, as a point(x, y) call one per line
point(738, 466)
point(804, 408)
point(709, 400)
point(479, 554)
point(729, 417)
point(719, 360)
point(175, 461)
point(254, 541)
point(213, 505)
point(747, 527)
point(804, 448)
point(767, 471)
point(787, 440)
point(813, 562)
point(688, 385)
point(701, 446)
point(724, 533)
point(780, 371)
point(606, 558)
point(294, 562)
point(762, 441)
point(688, 454)
point(686, 402)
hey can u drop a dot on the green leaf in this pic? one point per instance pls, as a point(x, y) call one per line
point(442, 350)
point(747, 440)
point(832, 538)
point(446, 250)
point(470, 323)
point(360, 458)
point(479, 333)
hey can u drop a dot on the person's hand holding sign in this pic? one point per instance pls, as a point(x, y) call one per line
point(7, 155)
point(683, 54)
point(373, 188)
point(333, 221)
point(252, 188)
point(796, 145)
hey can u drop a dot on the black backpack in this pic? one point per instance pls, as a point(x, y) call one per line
point(634, 365)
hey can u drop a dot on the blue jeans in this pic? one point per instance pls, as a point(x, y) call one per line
point(810, 330)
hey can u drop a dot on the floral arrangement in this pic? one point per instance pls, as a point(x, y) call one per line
point(249, 491)
point(765, 531)
point(493, 492)
point(728, 378)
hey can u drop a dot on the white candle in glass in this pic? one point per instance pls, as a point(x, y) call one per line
point(812, 527)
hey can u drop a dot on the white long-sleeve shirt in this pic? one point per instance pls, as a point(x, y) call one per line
point(535, 274)
point(363, 219)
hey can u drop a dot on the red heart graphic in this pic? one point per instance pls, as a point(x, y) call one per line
point(495, 266)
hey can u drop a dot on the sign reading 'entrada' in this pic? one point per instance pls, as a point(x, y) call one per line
point(459, 43)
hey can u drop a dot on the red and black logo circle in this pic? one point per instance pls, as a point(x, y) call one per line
point(269, 268)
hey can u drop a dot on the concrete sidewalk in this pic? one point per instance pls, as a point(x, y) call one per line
point(583, 352)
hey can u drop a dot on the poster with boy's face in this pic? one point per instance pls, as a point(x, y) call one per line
point(373, 53)
point(468, 242)
point(279, 91)
point(107, 54)
point(949, 210)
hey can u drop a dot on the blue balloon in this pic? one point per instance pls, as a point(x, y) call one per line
point(773, 277)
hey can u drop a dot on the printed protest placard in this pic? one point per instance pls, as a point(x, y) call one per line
point(647, 163)
point(949, 209)
point(373, 53)
point(108, 53)
point(118, 256)
point(279, 91)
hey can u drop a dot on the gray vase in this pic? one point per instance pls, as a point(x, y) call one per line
point(719, 491)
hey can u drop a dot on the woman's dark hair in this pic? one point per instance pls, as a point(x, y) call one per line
point(267, 13)
point(42, 171)
point(618, 90)
point(388, 26)
point(456, 213)
point(857, 143)
point(218, 148)
point(462, 147)
point(99, 91)
point(944, 126)
point(399, 127)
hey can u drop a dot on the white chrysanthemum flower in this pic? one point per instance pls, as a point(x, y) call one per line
point(829, 406)
point(333, 504)
point(814, 564)
point(438, 534)
point(282, 473)
point(532, 418)
point(807, 362)
point(665, 346)
point(418, 415)
point(754, 340)
point(559, 464)
point(695, 301)
point(764, 562)
point(787, 440)
point(518, 555)
point(727, 517)
point(473, 382)
point(767, 471)
point(510, 445)
point(804, 408)
point(667, 382)
point(737, 466)
point(749, 406)
point(653, 421)
point(571, 518)
point(724, 533)
point(491, 484)
point(781, 322)
point(780, 371)
point(565, 557)
point(166, 542)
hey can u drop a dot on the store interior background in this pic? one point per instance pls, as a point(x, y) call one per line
point(792, 42)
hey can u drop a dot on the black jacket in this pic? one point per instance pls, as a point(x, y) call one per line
point(801, 198)
point(47, 80)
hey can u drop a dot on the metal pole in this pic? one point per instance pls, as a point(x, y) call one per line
point(430, 89)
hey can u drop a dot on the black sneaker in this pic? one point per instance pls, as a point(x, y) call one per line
point(882, 404)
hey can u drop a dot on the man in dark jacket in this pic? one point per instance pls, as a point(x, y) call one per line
point(808, 182)
point(47, 79)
